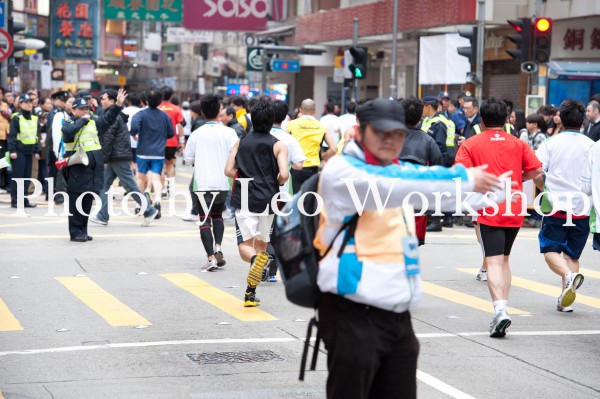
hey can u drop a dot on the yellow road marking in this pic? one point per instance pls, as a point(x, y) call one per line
point(543, 289)
point(8, 322)
point(464, 299)
point(589, 273)
point(220, 299)
point(115, 312)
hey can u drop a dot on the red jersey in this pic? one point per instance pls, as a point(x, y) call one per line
point(502, 152)
point(176, 116)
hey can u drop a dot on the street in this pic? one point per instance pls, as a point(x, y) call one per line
point(129, 315)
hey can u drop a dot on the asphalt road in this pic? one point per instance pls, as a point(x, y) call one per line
point(129, 315)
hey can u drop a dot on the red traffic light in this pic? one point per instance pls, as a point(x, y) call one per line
point(542, 25)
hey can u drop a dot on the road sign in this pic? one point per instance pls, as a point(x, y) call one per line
point(285, 65)
point(338, 61)
point(2, 14)
point(254, 59)
point(6, 45)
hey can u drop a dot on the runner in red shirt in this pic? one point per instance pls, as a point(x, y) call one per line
point(501, 152)
point(177, 140)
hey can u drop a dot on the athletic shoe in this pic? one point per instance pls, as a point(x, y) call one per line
point(148, 219)
point(499, 324)
point(266, 270)
point(94, 219)
point(272, 279)
point(573, 282)
point(165, 193)
point(189, 217)
point(3, 191)
point(228, 215)
point(250, 300)
point(566, 309)
point(482, 275)
point(220, 259)
point(209, 266)
point(256, 269)
point(157, 206)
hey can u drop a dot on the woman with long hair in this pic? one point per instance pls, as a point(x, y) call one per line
point(558, 126)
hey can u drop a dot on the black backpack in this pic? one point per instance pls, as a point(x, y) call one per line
point(297, 258)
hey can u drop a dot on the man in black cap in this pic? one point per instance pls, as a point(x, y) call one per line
point(82, 132)
point(92, 102)
point(368, 290)
point(23, 145)
point(59, 100)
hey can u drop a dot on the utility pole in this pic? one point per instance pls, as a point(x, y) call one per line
point(394, 74)
point(355, 44)
point(263, 86)
point(480, 48)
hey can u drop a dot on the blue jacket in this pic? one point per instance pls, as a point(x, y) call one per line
point(153, 127)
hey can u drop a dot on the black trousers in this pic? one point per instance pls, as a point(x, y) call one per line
point(78, 222)
point(21, 168)
point(4, 175)
point(371, 353)
point(300, 176)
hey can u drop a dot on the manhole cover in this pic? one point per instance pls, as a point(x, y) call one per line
point(233, 357)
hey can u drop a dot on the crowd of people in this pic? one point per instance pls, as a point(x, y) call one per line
point(245, 153)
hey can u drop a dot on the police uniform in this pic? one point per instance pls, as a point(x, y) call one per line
point(82, 132)
point(23, 141)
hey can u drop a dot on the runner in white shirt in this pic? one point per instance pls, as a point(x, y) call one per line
point(348, 120)
point(331, 122)
point(208, 149)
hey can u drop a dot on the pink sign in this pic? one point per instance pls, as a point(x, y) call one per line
point(231, 15)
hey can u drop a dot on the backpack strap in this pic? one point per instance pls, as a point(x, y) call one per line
point(351, 226)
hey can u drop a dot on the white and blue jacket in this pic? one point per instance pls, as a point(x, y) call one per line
point(371, 270)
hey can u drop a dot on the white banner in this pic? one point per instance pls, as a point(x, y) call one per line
point(71, 73)
point(440, 63)
point(182, 35)
point(46, 75)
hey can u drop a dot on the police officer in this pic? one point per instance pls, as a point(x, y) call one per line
point(23, 145)
point(443, 131)
point(82, 131)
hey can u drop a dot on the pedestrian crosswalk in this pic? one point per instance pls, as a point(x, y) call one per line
point(102, 301)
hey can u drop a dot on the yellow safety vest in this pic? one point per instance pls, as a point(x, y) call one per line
point(450, 127)
point(88, 138)
point(28, 130)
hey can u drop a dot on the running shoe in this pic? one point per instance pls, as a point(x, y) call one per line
point(272, 279)
point(148, 219)
point(566, 309)
point(220, 259)
point(499, 324)
point(256, 269)
point(157, 206)
point(250, 300)
point(573, 282)
point(189, 217)
point(95, 219)
point(482, 275)
point(209, 266)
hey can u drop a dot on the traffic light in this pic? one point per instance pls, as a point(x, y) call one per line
point(469, 51)
point(522, 39)
point(542, 39)
point(358, 67)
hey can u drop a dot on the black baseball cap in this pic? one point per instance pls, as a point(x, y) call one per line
point(382, 114)
point(61, 95)
point(80, 103)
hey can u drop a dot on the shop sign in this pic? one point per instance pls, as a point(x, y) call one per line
point(231, 15)
point(576, 39)
point(75, 29)
point(143, 10)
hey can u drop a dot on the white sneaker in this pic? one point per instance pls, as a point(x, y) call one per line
point(3, 191)
point(189, 217)
point(572, 283)
point(228, 215)
point(499, 324)
point(482, 275)
point(566, 309)
point(209, 266)
point(148, 219)
point(94, 219)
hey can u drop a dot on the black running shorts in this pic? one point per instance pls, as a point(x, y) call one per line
point(497, 240)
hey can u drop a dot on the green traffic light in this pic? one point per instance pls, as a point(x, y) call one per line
point(358, 73)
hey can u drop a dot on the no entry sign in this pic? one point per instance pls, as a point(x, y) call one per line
point(6, 45)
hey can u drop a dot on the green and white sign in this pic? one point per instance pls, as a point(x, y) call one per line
point(143, 10)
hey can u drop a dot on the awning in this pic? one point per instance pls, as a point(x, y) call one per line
point(575, 68)
point(279, 31)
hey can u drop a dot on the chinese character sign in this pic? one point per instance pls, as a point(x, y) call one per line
point(75, 29)
point(143, 10)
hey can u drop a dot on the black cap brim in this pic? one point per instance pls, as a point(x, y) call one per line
point(386, 125)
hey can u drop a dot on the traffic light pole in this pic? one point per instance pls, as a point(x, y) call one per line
point(355, 44)
point(480, 49)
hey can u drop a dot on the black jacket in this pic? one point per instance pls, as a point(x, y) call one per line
point(15, 145)
point(239, 129)
point(469, 130)
point(116, 142)
point(593, 132)
point(421, 149)
point(198, 122)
